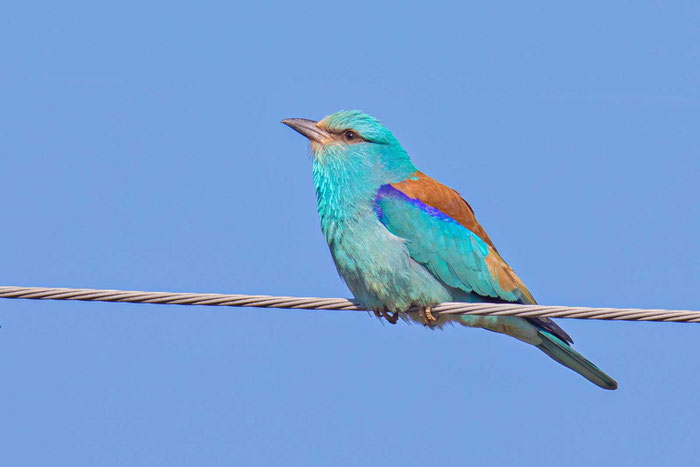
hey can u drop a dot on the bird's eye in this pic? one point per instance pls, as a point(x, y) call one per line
point(350, 135)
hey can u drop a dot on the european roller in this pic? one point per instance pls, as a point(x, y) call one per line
point(403, 240)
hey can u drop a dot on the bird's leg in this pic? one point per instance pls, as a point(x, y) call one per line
point(387, 316)
point(428, 318)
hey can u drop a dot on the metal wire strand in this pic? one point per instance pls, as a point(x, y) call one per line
point(335, 304)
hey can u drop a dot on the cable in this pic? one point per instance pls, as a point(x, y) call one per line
point(335, 304)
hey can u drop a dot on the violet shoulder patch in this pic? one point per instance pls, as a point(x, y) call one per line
point(388, 191)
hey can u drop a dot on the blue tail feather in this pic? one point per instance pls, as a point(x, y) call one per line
point(567, 356)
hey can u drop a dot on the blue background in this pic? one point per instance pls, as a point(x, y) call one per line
point(140, 148)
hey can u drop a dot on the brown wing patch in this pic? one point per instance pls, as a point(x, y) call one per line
point(506, 277)
point(433, 193)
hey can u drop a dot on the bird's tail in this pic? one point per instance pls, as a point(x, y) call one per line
point(564, 354)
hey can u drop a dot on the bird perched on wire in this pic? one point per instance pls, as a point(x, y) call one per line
point(401, 239)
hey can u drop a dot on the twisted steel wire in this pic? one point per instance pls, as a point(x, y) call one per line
point(343, 304)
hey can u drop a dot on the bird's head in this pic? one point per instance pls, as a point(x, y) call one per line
point(357, 145)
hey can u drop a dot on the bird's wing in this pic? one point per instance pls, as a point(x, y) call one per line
point(443, 235)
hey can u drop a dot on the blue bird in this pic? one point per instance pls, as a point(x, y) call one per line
point(401, 239)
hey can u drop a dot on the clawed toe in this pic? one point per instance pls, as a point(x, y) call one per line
point(391, 318)
point(428, 318)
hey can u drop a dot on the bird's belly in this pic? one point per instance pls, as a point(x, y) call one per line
point(379, 271)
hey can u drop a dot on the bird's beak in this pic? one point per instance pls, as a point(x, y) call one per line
point(307, 128)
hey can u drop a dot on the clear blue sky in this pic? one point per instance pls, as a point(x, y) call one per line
point(140, 148)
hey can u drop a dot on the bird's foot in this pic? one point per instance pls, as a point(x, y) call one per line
point(391, 318)
point(428, 318)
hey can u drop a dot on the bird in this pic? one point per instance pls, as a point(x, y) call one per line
point(403, 241)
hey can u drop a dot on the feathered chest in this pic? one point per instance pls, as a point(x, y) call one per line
point(375, 264)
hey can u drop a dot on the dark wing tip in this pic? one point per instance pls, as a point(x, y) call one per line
point(549, 325)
